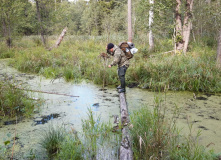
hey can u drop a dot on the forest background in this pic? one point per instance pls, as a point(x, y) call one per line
point(29, 30)
point(95, 23)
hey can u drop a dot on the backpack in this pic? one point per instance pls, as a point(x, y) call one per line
point(125, 47)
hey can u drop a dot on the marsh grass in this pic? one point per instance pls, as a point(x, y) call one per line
point(95, 141)
point(71, 148)
point(178, 72)
point(78, 58)
point(155, 137)
point(52, 139)
point(99, 137)
point(5, 52)
point(14, 101)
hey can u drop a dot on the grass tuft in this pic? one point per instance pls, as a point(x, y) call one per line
point(154, 137)
point(14, 101)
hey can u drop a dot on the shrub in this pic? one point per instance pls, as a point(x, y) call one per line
point(14, 101)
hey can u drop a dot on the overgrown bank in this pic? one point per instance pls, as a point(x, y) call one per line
point(78, 58)
point(153, 136)
point(15, 101)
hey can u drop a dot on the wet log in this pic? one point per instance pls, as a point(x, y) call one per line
point(60, 38)
point(125, 148)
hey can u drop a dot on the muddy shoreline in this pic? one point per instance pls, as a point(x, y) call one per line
point(202, 110)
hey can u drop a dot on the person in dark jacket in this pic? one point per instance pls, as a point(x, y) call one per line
point(122, 61)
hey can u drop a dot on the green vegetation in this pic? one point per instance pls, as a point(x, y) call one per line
point(52, 139)
point(95, 140)
point(14, 101)
point(78, 58)
point(91, 25)
point(195, 71)
point(154, 137)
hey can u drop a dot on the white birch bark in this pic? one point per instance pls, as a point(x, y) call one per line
point(129, 22)
point(151, 17)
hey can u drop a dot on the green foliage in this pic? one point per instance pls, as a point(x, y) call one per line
point(5, 52)
point(14, 101)
point(95, 134)
point(149, 133)
point(78, 59)
point(178, 72)
point(155, 137)
point(52, 140)
point(71, 148)
point(95, 137)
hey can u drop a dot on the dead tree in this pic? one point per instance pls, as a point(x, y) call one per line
point(129, 22)
point(58, 42)
point(183, 29)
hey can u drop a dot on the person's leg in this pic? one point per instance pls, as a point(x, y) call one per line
point(121, 73)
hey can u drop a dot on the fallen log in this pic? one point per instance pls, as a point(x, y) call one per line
point(125, 148)
point(161, 54)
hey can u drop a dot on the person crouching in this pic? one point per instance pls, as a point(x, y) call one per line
point(122, 61)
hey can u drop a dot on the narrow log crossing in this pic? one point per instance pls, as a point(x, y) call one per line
point(125, 148)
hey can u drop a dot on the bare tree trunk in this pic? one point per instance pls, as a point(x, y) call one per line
point(151, 16)
point(183, 31)
point(187, 24)
point(60, 38)
point(218, 58)
point(129, 22)
point(40, 22)
point(179, 37)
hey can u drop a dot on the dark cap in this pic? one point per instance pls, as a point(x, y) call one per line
point(110, 45)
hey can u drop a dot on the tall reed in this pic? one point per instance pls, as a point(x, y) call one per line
point(78, 58)
point(96, 141)
point(154, 137)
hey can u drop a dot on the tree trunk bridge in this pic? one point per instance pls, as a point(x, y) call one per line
point(125, 148)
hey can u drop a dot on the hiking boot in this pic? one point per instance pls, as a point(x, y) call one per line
point(122, 90)
point(119, 87)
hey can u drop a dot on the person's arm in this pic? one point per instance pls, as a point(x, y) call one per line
point(117, 57)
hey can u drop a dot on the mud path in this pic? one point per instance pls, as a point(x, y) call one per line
point(203, 111)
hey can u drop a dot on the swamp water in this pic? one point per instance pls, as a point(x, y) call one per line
point(71, 105)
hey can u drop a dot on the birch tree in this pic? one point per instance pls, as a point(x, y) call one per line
point(129, 22)
point(151, 16)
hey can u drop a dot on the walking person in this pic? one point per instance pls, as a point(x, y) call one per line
point(122, 61)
